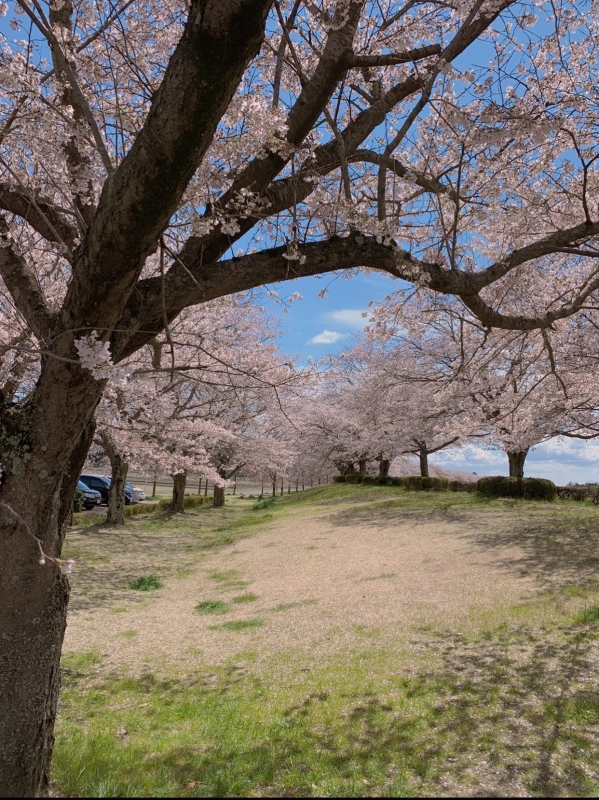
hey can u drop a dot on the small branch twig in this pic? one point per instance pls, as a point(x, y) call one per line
point(65, 567)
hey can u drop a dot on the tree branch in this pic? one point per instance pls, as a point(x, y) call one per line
point(138, 199)
point(21, 282)
point(41, 214)
point(391, 59)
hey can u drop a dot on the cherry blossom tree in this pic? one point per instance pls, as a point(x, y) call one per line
point(157, 156)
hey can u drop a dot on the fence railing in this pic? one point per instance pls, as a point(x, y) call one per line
point(163, 485)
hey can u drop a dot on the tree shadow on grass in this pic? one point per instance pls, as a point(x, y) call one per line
point(109, 557)
point(542, 542)
point(557, 552)
point(515, 715)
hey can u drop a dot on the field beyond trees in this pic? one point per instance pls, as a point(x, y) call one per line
point(349, 640)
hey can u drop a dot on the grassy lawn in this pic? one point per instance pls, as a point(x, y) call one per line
point(500, 700)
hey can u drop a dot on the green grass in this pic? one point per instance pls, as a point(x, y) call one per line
point(503, 703)
point(296, 604)
point(240, 624)
point(587, 615)
point(244, 598)
point(228, 579)
point(458, 720)
point(146, 583)
point(80, 662)
point(266, 502)
point(211, 607)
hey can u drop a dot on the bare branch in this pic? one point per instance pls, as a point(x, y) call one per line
point(392, 59)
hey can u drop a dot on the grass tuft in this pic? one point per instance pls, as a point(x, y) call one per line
point(145, 583)
point(244, 598)
point(240, 624)
point(211, 607)
point(266, 502)
point(588, 614)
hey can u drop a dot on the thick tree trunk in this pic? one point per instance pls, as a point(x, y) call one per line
point(384, 465)
point(219, 496)
point(362, 466)
point(178, 501)
point(516, 461)
point(116, 494)
point(423, 455)
point(50, 439)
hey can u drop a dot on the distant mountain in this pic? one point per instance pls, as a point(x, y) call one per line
point(402, 466)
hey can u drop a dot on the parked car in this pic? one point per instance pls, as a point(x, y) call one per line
point(101, 484)
point(139, 493)
point(91, 498)
point(135, 492)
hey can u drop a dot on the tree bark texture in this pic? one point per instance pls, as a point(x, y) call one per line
point(384, 465)
point(516, 461)
point(116, 494)
point(423, 457)
point(179, 483)
point(42, 456)
point(219, 496)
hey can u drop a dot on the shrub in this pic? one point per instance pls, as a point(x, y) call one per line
point(78, 501)
point(353, 478)
point(526, 488)
point(396, 481)
point(190, 501)
point(141, 508)
point(383, 481)
point(369, 480)
point(339, 479)
point(195, 500)
point(416, 483)
point(462, 486)
point(579, 493)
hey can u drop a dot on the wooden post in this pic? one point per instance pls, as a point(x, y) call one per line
point(206, 488)
point(200, 487)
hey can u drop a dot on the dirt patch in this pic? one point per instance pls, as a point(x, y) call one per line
point(323, 579)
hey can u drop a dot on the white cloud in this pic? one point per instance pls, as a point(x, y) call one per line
point(472, 455)
point(349, 317)
point(326, 337)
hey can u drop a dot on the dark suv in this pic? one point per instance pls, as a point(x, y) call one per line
point(91, 498)
point(102, 485)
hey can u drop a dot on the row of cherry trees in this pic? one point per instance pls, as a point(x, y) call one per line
point(427, 377)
